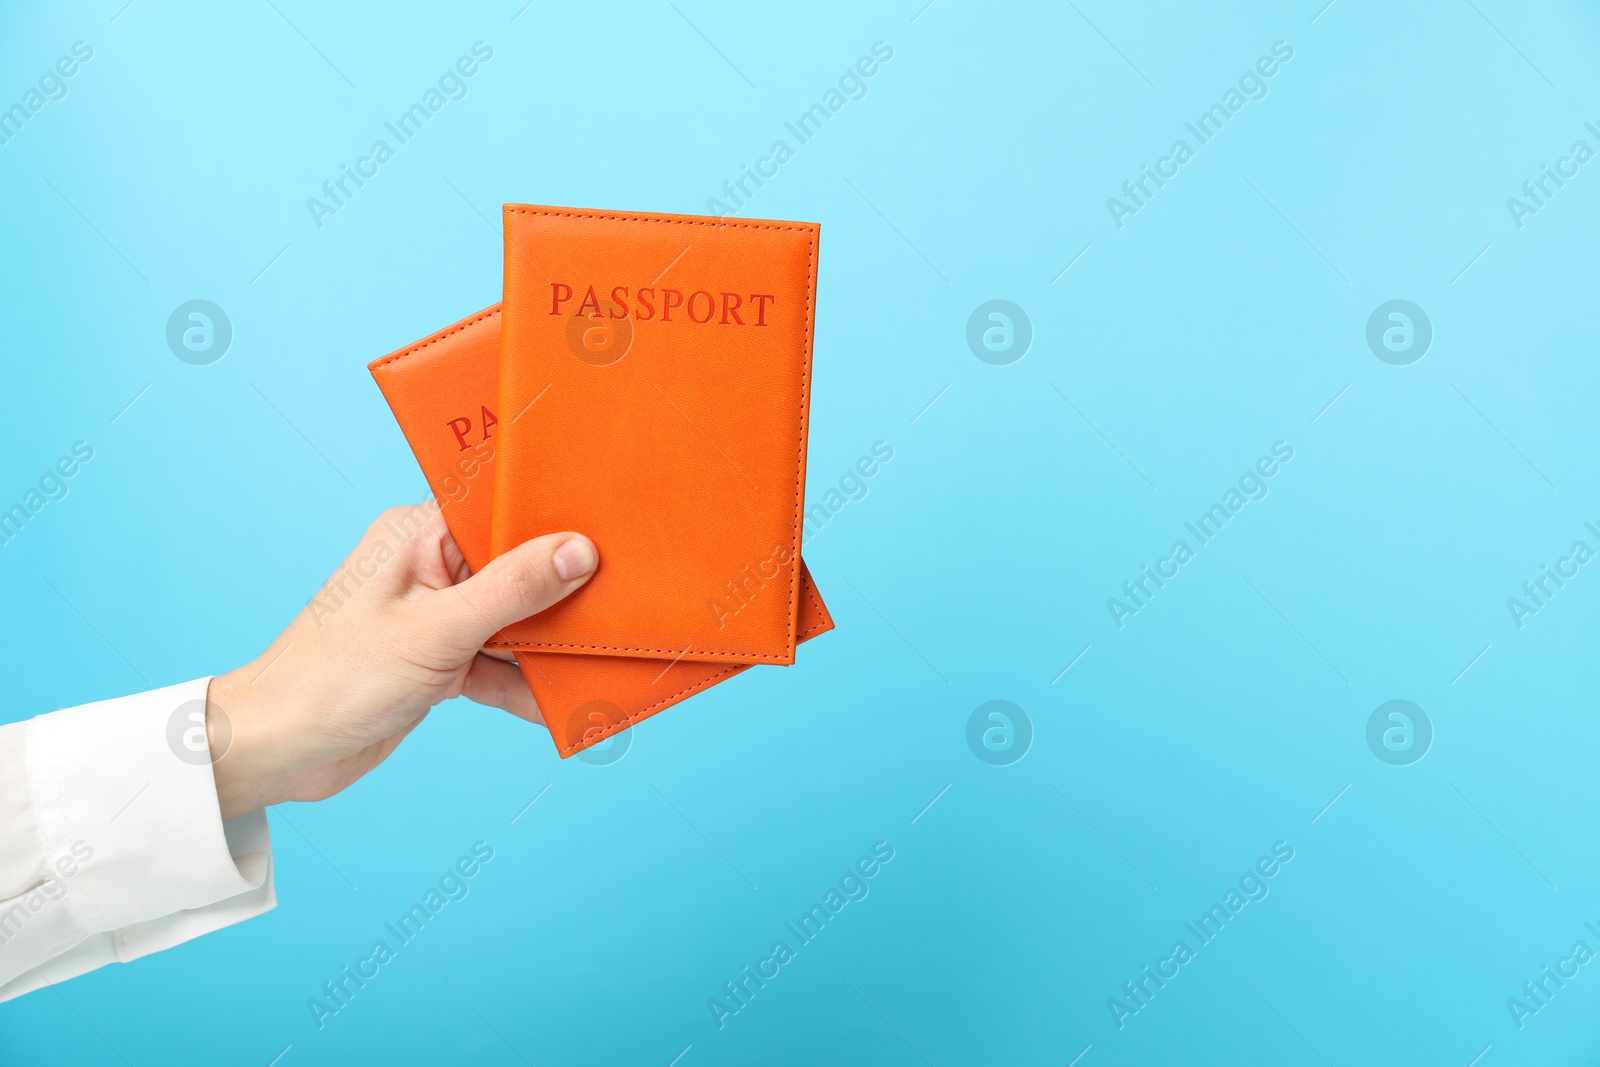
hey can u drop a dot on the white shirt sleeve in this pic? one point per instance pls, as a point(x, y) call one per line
point(112, 844)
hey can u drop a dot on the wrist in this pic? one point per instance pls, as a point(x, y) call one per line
point(248, 776)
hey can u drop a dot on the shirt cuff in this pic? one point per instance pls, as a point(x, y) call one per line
point(131, 848)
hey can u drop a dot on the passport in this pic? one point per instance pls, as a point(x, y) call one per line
point(444, 392)
point(654, 390)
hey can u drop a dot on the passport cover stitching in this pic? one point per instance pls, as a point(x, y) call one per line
point(404, 352)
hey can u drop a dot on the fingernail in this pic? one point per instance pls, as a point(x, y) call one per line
point(575, 559)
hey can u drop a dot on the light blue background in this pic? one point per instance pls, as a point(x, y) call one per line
point(1223, 718)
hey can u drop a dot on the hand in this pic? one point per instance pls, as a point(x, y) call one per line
point(399, 628)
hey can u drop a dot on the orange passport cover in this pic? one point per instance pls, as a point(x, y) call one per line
point(654, 389)
point(443, 391)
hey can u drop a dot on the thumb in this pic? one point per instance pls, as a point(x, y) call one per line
point(516, 584)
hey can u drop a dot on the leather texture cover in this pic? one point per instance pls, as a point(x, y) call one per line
point(443, 391)
point(654, 390)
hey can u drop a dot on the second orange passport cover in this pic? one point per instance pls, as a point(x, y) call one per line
point(655, 377)
point(443, 392)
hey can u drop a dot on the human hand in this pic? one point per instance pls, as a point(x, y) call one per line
point(399, 628)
